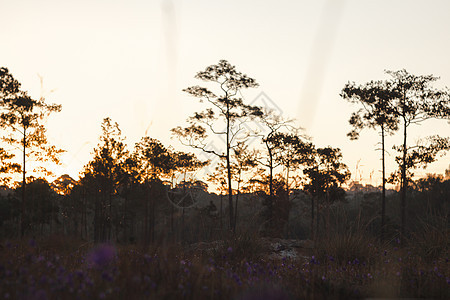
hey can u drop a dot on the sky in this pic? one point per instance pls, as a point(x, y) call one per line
point(130, 60)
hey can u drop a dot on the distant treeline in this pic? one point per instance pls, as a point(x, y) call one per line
point(122, 194)
point(145, 213)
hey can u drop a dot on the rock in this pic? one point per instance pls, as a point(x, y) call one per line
point(275, 249)
point(279, 249)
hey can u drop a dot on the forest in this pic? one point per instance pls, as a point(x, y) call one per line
point(269, 215)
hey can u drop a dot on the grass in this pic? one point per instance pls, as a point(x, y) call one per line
point(348, 266)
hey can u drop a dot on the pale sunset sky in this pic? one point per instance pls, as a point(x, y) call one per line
point(129, 60)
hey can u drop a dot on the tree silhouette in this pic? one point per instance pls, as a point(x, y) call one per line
point(23, 117)
point(153, 158)
point(6, 166)
point(424, 152)
point(156, 164)
point(416, 101)
point(63, 184)
point(284, 146)
point(154, 161)
point(103, 176)
point(269, 158)
point(186, 162)
point(377, 112)
point(227, 110)
point(43, 206)
point(293, 151)
point(326, 175)
point(242, 162)
point(185, 192)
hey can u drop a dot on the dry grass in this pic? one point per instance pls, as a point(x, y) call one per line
point(346, 266)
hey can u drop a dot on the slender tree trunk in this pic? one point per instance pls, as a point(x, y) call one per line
point(173, 236)
point(125, 220)
point(153, 220)
point(270, 175)
point(317, 217)
point(221, 212)
point(146, 219)
point(312, 218)
point(23, 217)
point(236, 209)
point(86, 236)
point(287, 180)
point(110, 223)
point(327, 203)
point(97, 224)
point(182, 231)
point(404, 184)
point(171, 220)
point(103, 219)
point(285, 206)
point(270, 204)
point(236, 200)
point(51, 217)
point(383, 191)
point(230, 190)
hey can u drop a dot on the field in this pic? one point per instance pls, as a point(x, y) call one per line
point(341, 267)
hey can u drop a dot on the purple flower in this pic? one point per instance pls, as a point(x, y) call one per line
point(230, 249)
point(32, 243)
point(102, 255)
point(237, 278)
